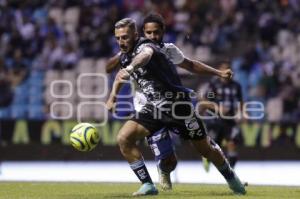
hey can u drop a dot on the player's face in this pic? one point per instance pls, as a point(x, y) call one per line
point(125, 38)
point(153, 31)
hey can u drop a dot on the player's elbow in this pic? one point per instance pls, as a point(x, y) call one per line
point(108, 69)
point(110, 66)
point(187, 64)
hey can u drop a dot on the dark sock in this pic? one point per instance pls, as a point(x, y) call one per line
point(232, 158)
point(226, 170)
point(141, 171)
point(168, 164)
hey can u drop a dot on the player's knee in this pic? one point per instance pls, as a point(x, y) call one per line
point(122, 140)
point(123, 144)
point(168, 164)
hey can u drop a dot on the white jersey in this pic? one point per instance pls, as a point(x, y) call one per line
point(175, 55)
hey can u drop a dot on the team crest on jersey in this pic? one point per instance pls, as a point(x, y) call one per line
point(191, 124)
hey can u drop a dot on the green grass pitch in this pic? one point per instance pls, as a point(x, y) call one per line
point(59, 190)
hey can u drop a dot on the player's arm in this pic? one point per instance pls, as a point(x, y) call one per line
point(199, 67)
point(140, 59)
point(121, 77)
point(113, 63)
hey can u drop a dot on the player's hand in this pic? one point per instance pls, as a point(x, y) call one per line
point(227, 74)
point(122, 75)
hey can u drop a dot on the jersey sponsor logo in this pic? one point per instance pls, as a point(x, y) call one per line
point(191, 123)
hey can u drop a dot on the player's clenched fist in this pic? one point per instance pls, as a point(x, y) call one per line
point(122, 75)
point(227, 74)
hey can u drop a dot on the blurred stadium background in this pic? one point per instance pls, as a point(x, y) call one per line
point(46, 45)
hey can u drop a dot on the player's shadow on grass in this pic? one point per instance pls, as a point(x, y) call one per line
point(119, 195)
point(98, 196)
point(183, 194)
point(205, 193)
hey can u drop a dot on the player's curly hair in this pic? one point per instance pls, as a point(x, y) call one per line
point(154, 18)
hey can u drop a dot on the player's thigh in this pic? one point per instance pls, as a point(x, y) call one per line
point(132, 131)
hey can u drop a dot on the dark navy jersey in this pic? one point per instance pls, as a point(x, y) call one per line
point(229, 94)
point(158, 79)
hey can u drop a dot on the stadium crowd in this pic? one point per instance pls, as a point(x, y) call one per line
point(39, 38)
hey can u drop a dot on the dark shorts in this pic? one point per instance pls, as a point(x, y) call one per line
point(182, 119)
point(221, 130)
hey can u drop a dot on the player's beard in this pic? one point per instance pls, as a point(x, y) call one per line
point(124, 48)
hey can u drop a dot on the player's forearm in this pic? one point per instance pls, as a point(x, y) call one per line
point(112, 63)
point(121, 77)
point(202, 68)
point(140, 60)
point(115, 90)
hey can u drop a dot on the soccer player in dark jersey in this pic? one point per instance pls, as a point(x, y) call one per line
point(168, 105)
point(226, 94)
point(160, 142)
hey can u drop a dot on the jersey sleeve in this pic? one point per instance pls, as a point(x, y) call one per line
point(173, 53)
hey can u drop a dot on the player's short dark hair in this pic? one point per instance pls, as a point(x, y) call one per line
point(126, 22)
point(154, 18)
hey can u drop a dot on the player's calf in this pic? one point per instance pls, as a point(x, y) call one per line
point(213, 152)
point(165, 167)
point(168, 164)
